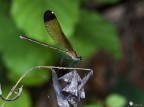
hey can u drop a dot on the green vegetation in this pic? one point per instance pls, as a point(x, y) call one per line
point(25, 17)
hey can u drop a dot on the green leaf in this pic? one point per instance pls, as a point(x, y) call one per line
point(19, 55)
point(4, 6)
point(115, 100)
point(95, 32)
point(23, 101)
point(23, 55)
point(28, 16)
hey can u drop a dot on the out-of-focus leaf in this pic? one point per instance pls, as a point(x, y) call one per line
point(115, 100)
point(34, 77)
point(4, 6)
point(23, 101)
point(95, 32)
point(28, 15)
point(19, 55)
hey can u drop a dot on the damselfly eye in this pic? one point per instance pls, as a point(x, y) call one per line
point(80, 58)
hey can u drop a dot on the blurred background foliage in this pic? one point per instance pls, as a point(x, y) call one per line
point(88, 29)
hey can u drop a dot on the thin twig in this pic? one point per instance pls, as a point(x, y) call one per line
point(49, 67)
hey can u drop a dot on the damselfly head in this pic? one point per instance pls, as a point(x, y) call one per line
point(79, 58)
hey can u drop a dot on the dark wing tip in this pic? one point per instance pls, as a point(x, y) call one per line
point(49, 15)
